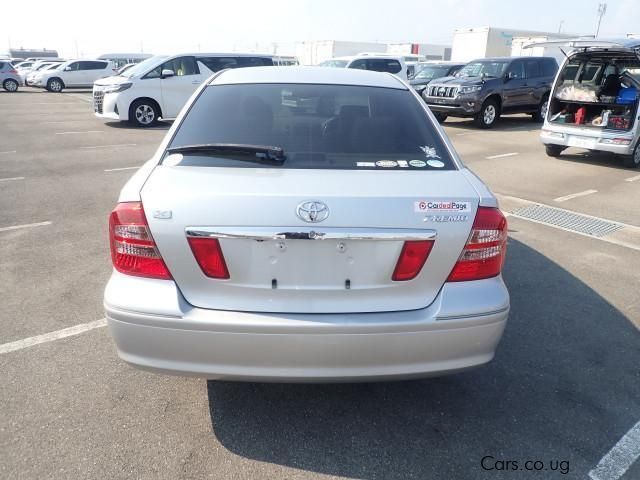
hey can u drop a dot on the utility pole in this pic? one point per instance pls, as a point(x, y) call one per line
point(560, 26)
point(602, 9)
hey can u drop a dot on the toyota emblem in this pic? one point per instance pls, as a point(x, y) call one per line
point(312, 211)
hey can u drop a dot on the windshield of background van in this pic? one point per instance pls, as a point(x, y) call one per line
point(318, 126)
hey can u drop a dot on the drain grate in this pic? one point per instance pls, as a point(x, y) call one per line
point(569, 220)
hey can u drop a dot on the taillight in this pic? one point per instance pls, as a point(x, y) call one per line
point(13, 71)
point(209, 256)
point(133, 250)
point(412, 257)
point(484, 253)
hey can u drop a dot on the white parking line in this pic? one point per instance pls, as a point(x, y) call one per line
point(620, 458)
point(37, 103)
point(51, 336)
point(7, 151)
point(502, 155)
point(73, 133)
point(11, 179)
point(123, 168)
point(574, 195)
point(27, 225)
point(110, 146)
point(632, 179)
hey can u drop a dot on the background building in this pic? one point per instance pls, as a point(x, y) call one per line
point(480, 42)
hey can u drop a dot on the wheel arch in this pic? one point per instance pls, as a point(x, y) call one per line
point(497, 98)
point(148, 99)
point(50, 79)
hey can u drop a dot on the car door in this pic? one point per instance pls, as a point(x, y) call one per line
point(537, 82)
point(72, 75)
point(95, 70)
point(177, 88)
point(515, 94)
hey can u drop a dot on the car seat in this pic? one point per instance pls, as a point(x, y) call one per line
point(611, 86)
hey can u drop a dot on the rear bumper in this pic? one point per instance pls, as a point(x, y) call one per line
point(171, 336)
point(553, 134)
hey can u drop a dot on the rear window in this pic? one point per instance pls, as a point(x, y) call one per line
point(318, 126)
point(383, 65)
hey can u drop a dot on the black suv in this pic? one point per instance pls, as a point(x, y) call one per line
point(486, 88)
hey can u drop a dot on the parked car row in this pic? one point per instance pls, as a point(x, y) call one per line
point(56, 74)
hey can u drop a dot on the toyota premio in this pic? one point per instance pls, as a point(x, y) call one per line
point(306, 224)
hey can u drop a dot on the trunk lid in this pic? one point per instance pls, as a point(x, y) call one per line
point(278, 262)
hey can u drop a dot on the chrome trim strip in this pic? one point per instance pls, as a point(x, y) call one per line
point(301, 233)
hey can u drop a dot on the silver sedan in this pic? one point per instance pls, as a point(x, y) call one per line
point(306, 224)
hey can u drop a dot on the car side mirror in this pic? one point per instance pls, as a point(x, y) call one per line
point(67, 69)
point(167, 73)
point(509, 76)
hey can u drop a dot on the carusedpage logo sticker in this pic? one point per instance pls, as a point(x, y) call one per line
point(446, 206)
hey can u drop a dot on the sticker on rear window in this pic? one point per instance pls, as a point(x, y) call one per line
point(387, 163)
point(365, 164)
point(417, 163)
point(426, 206)
point(429, 152)
point(403, 163)
point(435, 163)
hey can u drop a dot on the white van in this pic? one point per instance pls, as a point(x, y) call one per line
point(594, 100)
point(379, 62)
point(158, 87)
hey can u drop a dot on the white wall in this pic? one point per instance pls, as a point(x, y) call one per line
point(479, 42)
point(469, 44)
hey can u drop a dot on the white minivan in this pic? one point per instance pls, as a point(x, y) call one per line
point(160, 86)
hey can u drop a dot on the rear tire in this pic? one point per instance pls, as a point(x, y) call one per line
point(539, 115)
point(554, 150)
point(633, 160)
point(144, 113)
point(10, 85)
point(488, 114)
point(441, 117)
point(55, 85)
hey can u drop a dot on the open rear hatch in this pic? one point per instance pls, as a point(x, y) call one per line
point(277, 262)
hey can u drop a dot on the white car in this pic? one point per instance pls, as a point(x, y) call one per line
point(38, 65)
point(375, 62)
point(34, 77)
point(160, 86)
point(75, 74)
point(306, 224)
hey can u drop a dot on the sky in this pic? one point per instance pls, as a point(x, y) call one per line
point(85, 28)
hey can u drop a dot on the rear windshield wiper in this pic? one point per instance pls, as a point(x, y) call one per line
point(247, 152)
